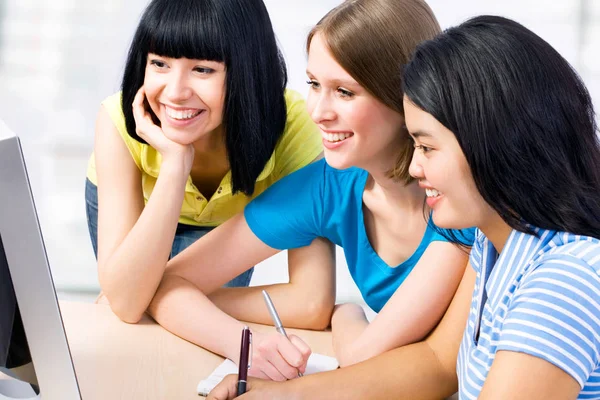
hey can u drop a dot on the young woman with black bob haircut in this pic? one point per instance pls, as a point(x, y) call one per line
point(203, 125)
point(505, 140)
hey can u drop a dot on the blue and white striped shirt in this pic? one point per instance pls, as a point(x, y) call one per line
point(543, 299)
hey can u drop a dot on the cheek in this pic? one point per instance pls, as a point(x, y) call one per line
point(311, 101)
point(461, 183)
point(357, 117)
point(152, 88)
point(379, 123)
point(214, 95)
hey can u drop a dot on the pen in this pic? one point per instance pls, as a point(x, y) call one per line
point(275, 317)
point(244, 361)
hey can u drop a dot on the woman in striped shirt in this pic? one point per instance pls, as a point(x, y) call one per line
point(507, 142)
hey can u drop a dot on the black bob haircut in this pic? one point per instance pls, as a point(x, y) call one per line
point(522, 117)
point(239, 34)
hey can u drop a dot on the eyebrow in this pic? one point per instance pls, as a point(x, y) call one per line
point(420, 134)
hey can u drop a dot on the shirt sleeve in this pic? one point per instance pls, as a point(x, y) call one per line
point(301, 141)
point(555, 315)
point(289, 213)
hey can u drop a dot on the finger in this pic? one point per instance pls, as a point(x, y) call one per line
point(304, 349)
point(301, 345)
point(284, 368)
point(256, 372)
point(272, 372)
point(145, 127)
point(266, 351)
point(294, 350)
point(139, 111)
point(267, 369)
point(138, 102)
point(225, 390)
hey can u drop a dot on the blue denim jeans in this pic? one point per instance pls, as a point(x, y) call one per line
point(185, 235)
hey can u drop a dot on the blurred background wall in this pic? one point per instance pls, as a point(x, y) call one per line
point(60, 58)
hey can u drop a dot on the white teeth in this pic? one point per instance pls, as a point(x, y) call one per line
point(432, 193)
point(179, 114)
point(335, 137)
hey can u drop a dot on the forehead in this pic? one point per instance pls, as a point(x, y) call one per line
point(421, 124)
point(323, 65)
point(416, 118)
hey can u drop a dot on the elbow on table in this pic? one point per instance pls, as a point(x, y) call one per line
point(122, 306)
point(123, 309)
point(126, 313)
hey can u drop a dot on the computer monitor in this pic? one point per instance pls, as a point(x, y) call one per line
point(24, 260)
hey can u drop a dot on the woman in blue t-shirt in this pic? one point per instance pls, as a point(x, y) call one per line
point(514, 152)
point(361, 197)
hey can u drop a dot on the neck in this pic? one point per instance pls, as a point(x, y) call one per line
point(210, 150)
point(212, 142)
point(396, 192)
point(497, 231)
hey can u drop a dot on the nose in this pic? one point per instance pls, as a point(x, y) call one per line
point(177, 87)
point(415, 168)
point(319, 107)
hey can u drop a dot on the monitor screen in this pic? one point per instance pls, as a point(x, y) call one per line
point(14, 350)
point(28, 301)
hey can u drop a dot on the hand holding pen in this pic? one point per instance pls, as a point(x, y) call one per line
point(276, 320)
point(276, 357)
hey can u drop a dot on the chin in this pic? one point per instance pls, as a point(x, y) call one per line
point(180, 137)
point(447, 221)
point(337, 162)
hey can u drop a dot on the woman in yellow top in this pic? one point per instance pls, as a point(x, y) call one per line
point(205, 81)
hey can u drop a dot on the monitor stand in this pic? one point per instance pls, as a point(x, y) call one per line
point(12, 388)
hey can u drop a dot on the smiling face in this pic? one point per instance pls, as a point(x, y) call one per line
point(186, 95)
point(440, 166)
point(357, 129)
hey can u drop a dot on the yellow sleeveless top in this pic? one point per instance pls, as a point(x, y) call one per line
point(299, 145)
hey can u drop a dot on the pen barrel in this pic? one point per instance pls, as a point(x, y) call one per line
point(241, 388)
point(281, 330)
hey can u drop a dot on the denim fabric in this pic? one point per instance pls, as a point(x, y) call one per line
point(185, 235)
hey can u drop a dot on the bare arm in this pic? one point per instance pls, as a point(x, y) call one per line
point(134, 241)
point(305, 302)
point(181, 306)
point(420, 371)
point(519, 375)
point(410, 314)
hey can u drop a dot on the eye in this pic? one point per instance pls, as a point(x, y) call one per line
point(158, 64)
point(345, 93)
point(204, 70)
point(424, 149)
point(313, 84)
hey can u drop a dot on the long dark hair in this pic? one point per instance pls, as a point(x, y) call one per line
point(238, 33)
point(523, 118)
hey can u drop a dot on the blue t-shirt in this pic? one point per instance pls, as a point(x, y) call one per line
point(540, 296)
point(321, 201)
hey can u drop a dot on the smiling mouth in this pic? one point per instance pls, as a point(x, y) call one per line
point(433, 193)
point(183, 114)
point(336, 137)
